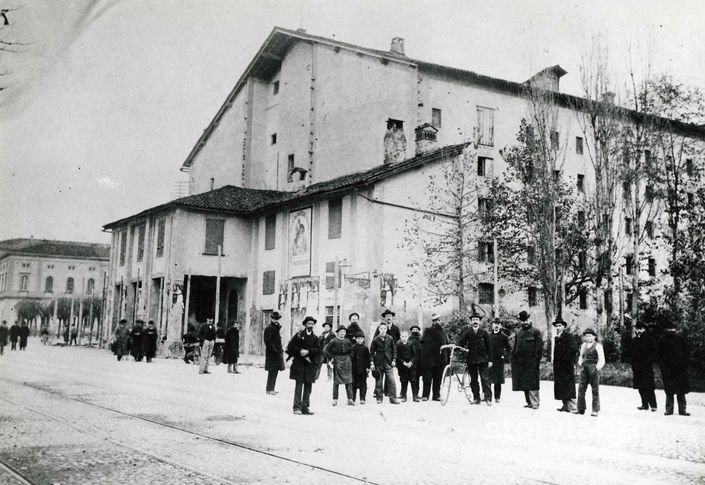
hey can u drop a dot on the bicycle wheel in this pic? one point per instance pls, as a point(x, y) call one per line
point(466, 385)
point(446, 382)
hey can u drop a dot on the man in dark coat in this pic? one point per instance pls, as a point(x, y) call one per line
point(24, 334)
point(326, 336)
point(122, 339)
point(499, 352)
point(360, 366)
point(353, 327)
point(672, 354)
point(477, 343)
point(136, 341)
point(565, 355)
point(383, 356)
point(231, 349)
point(4, 331)
point(406, 365)
point(304, 349)
point(273, 354)
point(149, 341)
point(642, 355)
point(14, 335)
point(431, 360)
point(526, 359)
point(392, 330)
point(415, 339)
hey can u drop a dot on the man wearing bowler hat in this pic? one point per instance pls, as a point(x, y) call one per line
point(304, 348)
point(274, 354)
point(642, 356)
point(392, 330)
point(431, 360)
point(565, 355)
point(526, 359)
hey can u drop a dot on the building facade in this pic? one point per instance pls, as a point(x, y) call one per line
point(302, 186)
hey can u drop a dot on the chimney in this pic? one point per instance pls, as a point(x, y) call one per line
point(398, 46)
point(548, 79)
point(426, 138)
point(608, 97)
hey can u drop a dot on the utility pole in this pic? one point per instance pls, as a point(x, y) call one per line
point(188, 298)
point(216, 318)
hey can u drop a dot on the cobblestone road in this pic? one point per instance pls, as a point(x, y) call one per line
point(75, 415)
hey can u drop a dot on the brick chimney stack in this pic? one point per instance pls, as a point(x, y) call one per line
point(398, 46)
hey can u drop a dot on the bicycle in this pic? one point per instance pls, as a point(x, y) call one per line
point(457, 369)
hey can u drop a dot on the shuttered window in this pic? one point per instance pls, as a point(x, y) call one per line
point(486, 293)
point(161, 225)
point(270, 231)
point(335, 218)
point(268, 283)
point(485, 126)
point(214, 235)
point(123, 247)
point(140, 242)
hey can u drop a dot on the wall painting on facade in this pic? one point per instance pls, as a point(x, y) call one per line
point(300, 242)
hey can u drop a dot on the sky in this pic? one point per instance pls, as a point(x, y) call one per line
point(104, 99)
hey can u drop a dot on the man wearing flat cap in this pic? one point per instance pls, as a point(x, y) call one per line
point(565, 355)
point(274, 354)
point(392, 330)
point(304, 348)
point(642, 356)
point(526, 359)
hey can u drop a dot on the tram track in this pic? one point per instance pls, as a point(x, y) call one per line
point(199, 435)
point(16, 474)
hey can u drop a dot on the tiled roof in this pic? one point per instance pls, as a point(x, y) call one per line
point(46, 247)
point(241, 201)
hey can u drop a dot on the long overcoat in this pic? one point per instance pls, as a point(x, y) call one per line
point(274, 353)
point(406, 352)
point(431, 341)
point(643, 354)
point(383, 351)
point(3, 335)
point(14, 332)
point(149, 341)
point(360, 360)
point(339, 351)
point(231, 349)
point(304, 369)
point(122, 340)
point(499, 352)
point(478, 345)
point(526, 358)
point(136, 341)
point(565, 356)
point(24, 333)
point(672, 354)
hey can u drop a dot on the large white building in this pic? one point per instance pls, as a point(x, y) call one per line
point(306, 178)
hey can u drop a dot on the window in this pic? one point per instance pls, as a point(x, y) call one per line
point(24, 282)
point(270, 231)
point(556, 176)
point(689, 167)
point(49, 285)
point(275, 88)
point(123, 247)
point(161, 228)
point(583, 299)
point(647, 156)
point(629, 300)
point(485, 126)
point(273, 138)
point(436, 117)
point(649, 227)
point(629, 263)
point(555, 140)
point(691, 199)
point(50, 266)
point(581, 183)
point(91, 268)
point(69, 285)
point(626, 190)
point(484, 207)
point(649, 193)
point(268, 283)
point(140, 242)
point(532, 294)
point(291, 163)
point(531, 255)
point(330, 275)
point(486, 295)
point(628, 226)
point(214, 235)
point(484, 167)
point(331, 314)
point(335, 218)
point(581, 218)
point(652, 267)
point(72, 268)
point(485, 251)
point(559, 216)
point(579, 145)
point(582, 260)
point(90, 287)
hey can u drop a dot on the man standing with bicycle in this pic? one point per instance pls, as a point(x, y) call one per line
point(477, 343)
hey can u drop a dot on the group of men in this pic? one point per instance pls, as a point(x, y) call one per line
point(16, 333)
point(206, 337)
point(140, 342)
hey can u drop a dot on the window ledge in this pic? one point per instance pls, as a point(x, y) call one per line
point(213, 254)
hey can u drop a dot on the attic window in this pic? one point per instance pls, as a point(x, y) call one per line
point(274, 138)
point(436, 117)
point(395, 124)
point(275, 88)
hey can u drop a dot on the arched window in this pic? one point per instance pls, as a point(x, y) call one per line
point(49, 285)
point(90, 287)
point(24, 282)
point(69, 285)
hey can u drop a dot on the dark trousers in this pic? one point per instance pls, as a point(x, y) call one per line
point(302, 395)
point(385, 384)
point(589, 375)
point(73, 340)
point(432, 381)
point(480, 370)
point(415, 383)
point(14, 345)
point(681, 403)
point(348, 391)
point(2, 349)
point(648, 398)
point(360, 382)
point(272, 379)
point(497, 391)
point(406, 378)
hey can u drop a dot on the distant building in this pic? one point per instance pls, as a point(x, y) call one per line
point(305, 180)
point(43, 271)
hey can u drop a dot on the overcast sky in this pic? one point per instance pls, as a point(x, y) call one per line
point(108, 97)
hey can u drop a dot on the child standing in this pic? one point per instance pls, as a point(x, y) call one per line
point(360, 366)
point(406, 356)
point(339, 352)
point(592, 359)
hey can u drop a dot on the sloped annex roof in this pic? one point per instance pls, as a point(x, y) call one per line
point(53, 248)
point(243, 201)
point(269, 56)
